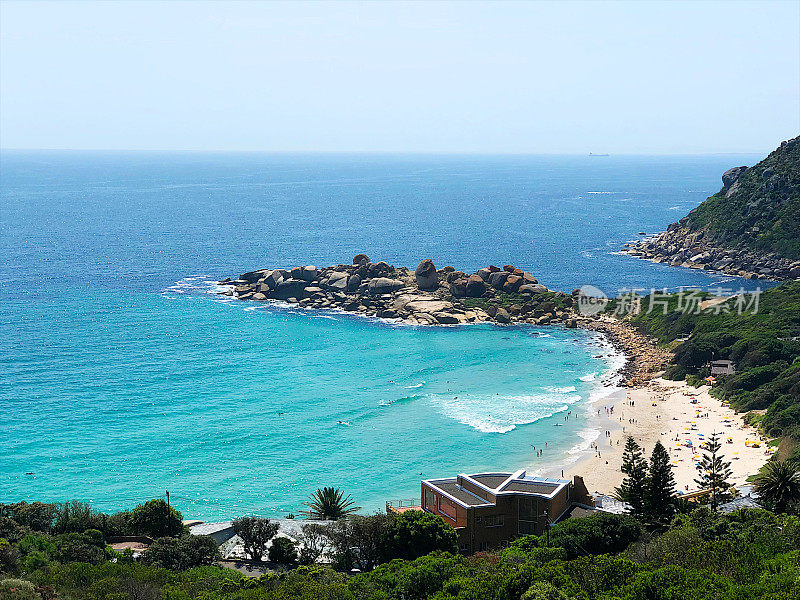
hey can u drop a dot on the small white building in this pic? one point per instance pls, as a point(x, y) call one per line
point(722, 367)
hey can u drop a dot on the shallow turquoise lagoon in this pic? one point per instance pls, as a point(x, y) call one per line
point(237, 407)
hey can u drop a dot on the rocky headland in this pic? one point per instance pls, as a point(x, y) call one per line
point(431, 296)
point(425, 296)
point(750, 228)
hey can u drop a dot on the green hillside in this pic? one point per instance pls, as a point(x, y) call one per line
point(764, 346)
point(759, 210)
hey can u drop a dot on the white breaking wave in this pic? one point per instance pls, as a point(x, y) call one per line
point(589, 377)
point(562, 390)
point(501, 414)
point(588, 437)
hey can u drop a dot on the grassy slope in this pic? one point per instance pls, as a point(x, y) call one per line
point(771, 203)
point(764, 346)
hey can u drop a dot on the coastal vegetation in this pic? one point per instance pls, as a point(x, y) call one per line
point(778, 485)
point(758, 207)
point(662, 549)
point(256, 534)
point(749, 554)
point(751, 227)
point(330, 504)
point(763, 344)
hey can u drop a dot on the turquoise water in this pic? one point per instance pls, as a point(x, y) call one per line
point(122, 376)
point(239, 409)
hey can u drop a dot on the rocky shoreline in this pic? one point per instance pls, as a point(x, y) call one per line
point(431, 296)
point(686, 245)
point(679, 247)
point(644, 358)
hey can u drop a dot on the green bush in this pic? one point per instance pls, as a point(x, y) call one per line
point(182, 553)
point(283, 551)
point(18, 589)
point(9, 557)
point(596, 534)
point(155, 518)
point(416, 533)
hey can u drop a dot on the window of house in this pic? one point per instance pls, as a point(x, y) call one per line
point(494, 520)
point(529, 515)
point(430, 499)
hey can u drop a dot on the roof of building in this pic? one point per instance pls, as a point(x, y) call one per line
point(531, 487)
point(496, 484)
point(491, 480)
point(577, 511)
point(738, 503)
point(210, 528)
point(462, 495)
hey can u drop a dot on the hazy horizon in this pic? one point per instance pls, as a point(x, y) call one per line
point(655, 78)
point(371, 152)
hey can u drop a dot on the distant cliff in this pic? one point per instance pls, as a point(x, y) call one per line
point(751, 227)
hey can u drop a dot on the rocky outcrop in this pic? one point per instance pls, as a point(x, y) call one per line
point(475, 286)
point(645, 358)
point(750, 228)
point(681, 247)
point(504, 296)
point(425, 296)
point(427, 277)
point(384, 285)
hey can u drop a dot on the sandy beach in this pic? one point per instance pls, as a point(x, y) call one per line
point(681, 417)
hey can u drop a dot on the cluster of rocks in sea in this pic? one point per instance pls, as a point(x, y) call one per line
point(431, 296)
point(426, 296)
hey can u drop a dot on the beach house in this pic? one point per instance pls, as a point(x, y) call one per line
point(722, 367)
point(488, 510)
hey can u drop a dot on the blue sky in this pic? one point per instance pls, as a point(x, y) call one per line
point(539, 77)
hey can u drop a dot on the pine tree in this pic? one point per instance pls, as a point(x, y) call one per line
point(714, 472)
point(659, 501)
point(634, 485)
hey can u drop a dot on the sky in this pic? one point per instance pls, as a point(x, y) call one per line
point(518, 77)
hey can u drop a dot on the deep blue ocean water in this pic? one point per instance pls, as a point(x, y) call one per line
point(121, 376)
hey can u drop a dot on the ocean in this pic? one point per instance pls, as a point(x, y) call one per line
point(122, 375)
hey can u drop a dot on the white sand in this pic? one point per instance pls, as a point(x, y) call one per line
point(662, 411)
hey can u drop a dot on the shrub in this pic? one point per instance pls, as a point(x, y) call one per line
point(596, 534)
point(81, 547)
point(416, 533)
point(183, 553)
point(9, 557)
point(18, 589)
point(76, 517)
point(283, 551)
point(155, 518)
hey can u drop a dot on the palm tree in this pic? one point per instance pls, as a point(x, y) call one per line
point(329, 503)
point(779, 485)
